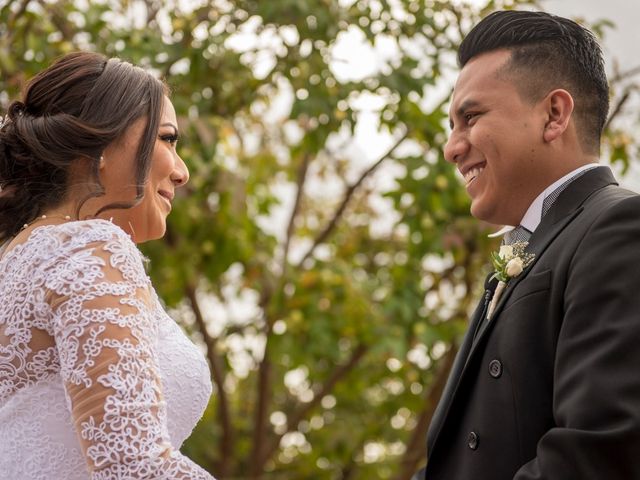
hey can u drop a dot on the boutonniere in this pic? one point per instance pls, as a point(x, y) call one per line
point(509, 262)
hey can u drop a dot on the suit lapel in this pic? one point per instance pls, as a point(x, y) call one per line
point(567, 207)
point(537, 245)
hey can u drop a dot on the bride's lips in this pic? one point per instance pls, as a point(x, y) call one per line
point(167, 195)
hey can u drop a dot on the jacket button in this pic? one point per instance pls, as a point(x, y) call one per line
point(495, 368)
point(473, 440)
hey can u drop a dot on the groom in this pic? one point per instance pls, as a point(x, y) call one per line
point(547, 387)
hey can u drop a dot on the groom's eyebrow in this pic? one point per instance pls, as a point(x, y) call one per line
point(466, 105)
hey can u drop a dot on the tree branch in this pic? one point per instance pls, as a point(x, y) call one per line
point(624, 75)
point(327, 387)
point(415, 451)
point(226, 446)
point(618, 108)
point(348, 195)
point(300, 182)
point(415, 448)
point(260, 432)
point(59, 19)
point(16, 14)
point(260, 424)
point(349, 470)
point(152, 10)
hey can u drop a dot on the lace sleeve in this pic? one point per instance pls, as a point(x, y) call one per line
point(106, 337)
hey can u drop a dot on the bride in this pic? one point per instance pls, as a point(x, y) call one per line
point(96, 381)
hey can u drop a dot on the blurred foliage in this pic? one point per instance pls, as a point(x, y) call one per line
point(329, 286)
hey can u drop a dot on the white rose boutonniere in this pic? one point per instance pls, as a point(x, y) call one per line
point(510, 261)
point(514, 267)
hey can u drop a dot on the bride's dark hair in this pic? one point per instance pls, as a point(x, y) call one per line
point(71, 111)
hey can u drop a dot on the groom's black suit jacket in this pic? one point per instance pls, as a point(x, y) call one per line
point(550, 387)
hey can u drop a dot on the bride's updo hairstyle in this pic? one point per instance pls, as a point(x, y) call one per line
point(70, 112)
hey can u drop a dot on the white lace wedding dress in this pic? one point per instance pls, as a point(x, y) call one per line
point(96, 380)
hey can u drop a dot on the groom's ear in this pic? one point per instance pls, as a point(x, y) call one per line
point(558, 106)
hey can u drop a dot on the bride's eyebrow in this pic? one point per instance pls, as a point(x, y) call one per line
point(169, 124)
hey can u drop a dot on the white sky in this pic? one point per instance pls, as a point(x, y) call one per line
point(619, 42)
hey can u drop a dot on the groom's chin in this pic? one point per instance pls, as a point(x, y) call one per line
point(487, 209)
point(479, 211)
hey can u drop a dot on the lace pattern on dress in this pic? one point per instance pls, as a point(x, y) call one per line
point(88, 313)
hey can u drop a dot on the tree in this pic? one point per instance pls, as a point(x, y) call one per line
point(329, 334)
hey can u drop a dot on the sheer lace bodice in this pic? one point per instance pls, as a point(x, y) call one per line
point(96, 380)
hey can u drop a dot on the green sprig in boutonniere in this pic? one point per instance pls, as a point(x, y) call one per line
point(508, 262)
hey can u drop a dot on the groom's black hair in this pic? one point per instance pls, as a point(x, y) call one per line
point(548, 52)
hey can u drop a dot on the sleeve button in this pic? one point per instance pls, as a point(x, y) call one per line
point(495, 368)
point(473, 440)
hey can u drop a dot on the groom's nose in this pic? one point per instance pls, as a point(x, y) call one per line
point(456, 147)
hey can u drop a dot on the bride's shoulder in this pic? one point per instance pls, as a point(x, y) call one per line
point(88, 237)
point(98, 234)
point(75, 236)
point(96, 247)
point(89, 231)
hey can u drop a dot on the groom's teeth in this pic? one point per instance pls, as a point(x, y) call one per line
point(472, 174)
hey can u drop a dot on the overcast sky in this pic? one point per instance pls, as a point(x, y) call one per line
point(623, 41)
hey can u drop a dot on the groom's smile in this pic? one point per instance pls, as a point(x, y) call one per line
point(470, 174)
